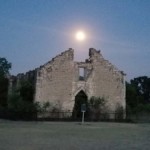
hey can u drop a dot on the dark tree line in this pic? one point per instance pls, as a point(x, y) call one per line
point(138, 94)
point(19, 103)
point(25, 91)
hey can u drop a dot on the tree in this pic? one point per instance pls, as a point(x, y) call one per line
point(21, 109)
point(5, 66)
point(131, 95)
point(138, 94)
point(26, 90)
point(3, 91)
point(142, 85)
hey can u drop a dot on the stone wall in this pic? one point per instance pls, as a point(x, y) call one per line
point(54, 81)
point(107, 81)
point(14, 81)
point(102, 79)
point(59, 81)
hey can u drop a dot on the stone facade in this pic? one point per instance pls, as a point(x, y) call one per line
point(61, 79)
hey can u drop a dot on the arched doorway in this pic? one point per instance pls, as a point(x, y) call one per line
point(80, 98)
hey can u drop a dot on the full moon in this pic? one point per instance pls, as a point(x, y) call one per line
point(80, 36)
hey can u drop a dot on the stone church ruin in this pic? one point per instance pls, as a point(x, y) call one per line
point(62, 79)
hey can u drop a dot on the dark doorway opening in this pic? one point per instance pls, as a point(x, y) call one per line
point(80, 98)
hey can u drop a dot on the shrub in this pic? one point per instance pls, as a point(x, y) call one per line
point(97, 108)
point(119, 112)
point(21, 109)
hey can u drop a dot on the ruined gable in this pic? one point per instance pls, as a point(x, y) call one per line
point(61, 79)
point(101, 79)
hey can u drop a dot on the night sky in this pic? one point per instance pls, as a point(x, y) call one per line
point(32, 32)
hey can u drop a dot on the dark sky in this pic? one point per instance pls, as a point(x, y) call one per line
point(34, 31)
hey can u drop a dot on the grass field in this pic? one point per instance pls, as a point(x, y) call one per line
point(73, 136)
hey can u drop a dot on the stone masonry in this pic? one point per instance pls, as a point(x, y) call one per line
point(60, 80)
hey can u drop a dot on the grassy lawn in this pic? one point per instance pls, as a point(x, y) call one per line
point(73, 136)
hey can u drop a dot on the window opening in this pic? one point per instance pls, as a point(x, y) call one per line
point(81, 74)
